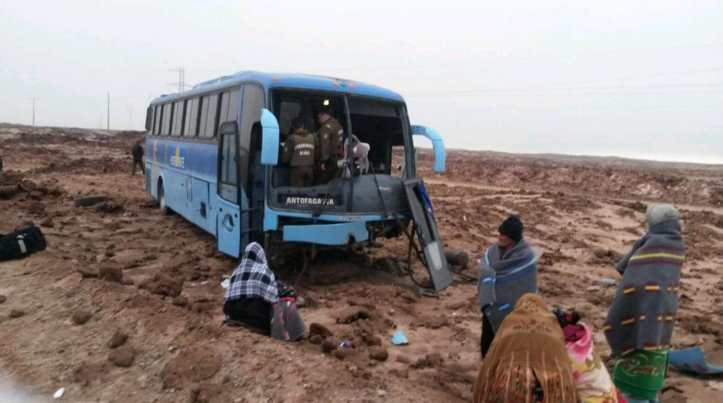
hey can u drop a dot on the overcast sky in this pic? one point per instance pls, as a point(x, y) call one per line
point(606, 78)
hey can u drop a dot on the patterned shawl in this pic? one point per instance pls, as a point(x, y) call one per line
point(529, 349)
point(643, 311)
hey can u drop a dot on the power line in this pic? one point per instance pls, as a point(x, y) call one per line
point(550, 93)
point(553, 86)
point(549, 56)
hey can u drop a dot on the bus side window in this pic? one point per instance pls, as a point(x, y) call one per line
point(157, 120)
point(228, 183)
point(191, 126)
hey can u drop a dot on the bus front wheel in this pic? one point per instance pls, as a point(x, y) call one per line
point(162, 200)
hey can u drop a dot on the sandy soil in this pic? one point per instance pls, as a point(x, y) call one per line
point(161, 280)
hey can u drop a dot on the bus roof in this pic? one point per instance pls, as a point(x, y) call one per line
point(300, 81)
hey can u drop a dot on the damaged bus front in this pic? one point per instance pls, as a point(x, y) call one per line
point(366, 199)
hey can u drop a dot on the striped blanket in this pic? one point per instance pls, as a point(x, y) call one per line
point(643, 311)
point(504, 277)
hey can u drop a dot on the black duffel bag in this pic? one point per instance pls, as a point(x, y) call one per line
point(21, 243)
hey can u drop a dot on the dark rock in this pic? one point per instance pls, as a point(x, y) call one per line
point(109, 208)
point(16, 313)
point(180, 301)
point(378, 353)
point(328, 346)
point(321, 330)
point(373, 341)
point(3, 299)
point(340, 353)
point(122, 356)
point(119, 338)
point(111, 273)
point(82, 317)
point(47, 222)
point(351, 314)
point(429, 361)
point(164, 285)
point(316, 339)
point(90, 200)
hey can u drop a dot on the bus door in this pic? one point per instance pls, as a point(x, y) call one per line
point(228, 217)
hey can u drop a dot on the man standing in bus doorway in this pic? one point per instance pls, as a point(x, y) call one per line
point(137, 152)
point(300, 152)
point(330, 142)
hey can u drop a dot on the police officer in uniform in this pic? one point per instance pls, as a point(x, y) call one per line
point(330, 145)
point(300, 152)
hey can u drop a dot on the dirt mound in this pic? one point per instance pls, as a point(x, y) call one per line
point(195, 365)
point(87, 166)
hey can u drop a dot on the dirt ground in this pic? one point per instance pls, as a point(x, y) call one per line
point(159, 298)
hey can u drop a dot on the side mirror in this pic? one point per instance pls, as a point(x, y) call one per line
point(269, 138)
point(437, 144)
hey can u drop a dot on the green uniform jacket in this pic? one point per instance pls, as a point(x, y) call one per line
point(330, 135)
point(301, 149)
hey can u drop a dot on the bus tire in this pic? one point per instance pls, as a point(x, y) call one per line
point(163, 207)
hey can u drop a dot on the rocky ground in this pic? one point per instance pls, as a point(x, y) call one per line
point(125, 304)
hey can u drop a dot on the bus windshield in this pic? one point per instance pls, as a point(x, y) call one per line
point(375, 122)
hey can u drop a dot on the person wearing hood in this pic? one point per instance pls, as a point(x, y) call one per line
point(507, 272)
point(640, 322)
point(528, 361)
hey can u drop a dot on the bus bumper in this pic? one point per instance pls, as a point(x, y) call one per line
point(327, 234)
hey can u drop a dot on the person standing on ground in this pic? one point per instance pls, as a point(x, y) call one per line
point(300, 152)
point(640, 322)
point(137, 152)
point(330, 143)
point(507, 272)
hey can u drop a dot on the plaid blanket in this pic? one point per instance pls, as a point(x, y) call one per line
point(253, 278)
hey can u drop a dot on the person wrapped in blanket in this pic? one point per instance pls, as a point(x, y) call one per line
point(507, 271)
point(592, 379)
point(257, 300)
point(640, 322)
point(527, 361)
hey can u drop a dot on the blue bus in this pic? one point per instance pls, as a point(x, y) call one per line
point(212, 156)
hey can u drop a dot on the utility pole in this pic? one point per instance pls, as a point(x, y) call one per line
point(34, 99)
point(181, 79)
point(108, 120)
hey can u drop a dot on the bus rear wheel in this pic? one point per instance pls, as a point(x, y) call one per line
point(163, 207)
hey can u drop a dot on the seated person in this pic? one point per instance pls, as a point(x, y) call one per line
point(253, 291)
point(591, 377)
point(528, 361)
point(255, 299)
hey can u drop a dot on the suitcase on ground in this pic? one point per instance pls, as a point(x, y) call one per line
point(21, 243)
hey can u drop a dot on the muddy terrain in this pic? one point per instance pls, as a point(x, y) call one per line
point(125, 303)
